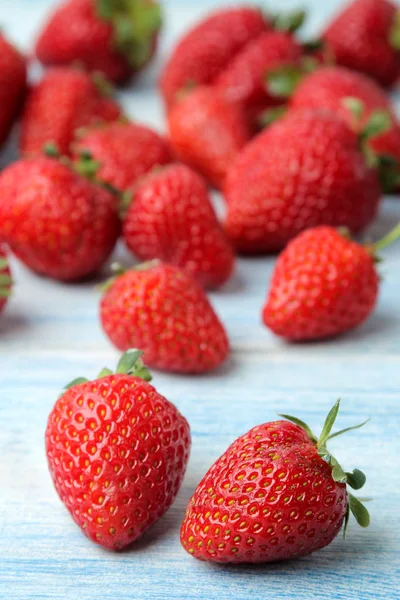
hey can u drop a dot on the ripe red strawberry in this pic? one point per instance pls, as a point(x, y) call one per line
point(115, 38)
point(5, 279)
point(305, 170)
point(328, 87)
point(164, 311)
point(55, 221)
point(205, 51)
point(12, 85)
point(243, 81)
point(324, 284)
point(171, 218)
point(336, 89)
point(117, 452)
point(125, 152)
point(277, 493)
point(61, 103)
point(365, 37)
point(207, 132)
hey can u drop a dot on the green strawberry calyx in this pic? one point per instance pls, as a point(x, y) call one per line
point(135, 24)
point(290, 21)
point(130, 363)
point(379, 121)
point(85, 166)
point(283, 81)
point(355, 479)
point(6, 281)
point(394, 32)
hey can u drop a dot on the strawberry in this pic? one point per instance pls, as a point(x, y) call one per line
point(164, 311)
point(365, 37)
point(12, 85)
point(117, 452)
point(55, 221)
point(57, 106)
point(324, 284)
point(243, 81)
point(276, 493)
point(125, 152)
point(205, 51)
point(354, 97)
point(5, 279)
point(327, 87)
point(171, 218)
point(305, 170)
point(117, 38)
point(207, 132)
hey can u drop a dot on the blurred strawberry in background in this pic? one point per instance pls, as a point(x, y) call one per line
point(62, 102)
point(365, 37)
point(117, 38)
point(12, 85)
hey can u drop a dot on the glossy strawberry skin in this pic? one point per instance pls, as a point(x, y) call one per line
point(171, 218)
point(12, 86)
point(360, 39)
point(244, 80)
point(89, 41)
point(269, 497)
point(117, 452)
point(64, 101)
point(323, 285)
point(163, 311)
point(207, 132)
point(55, 221)
point(125, 151)
point(304, 171)
point(206, 50)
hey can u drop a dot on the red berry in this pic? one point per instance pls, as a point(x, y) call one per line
point(206, 50)
point(117, 41)
point(244, 80)
point(171, 218)
point(117, 452)
point(324, 284)
point(207, 132)
point(125, 152)
point(365, 37)
point(61, 103)
point(275, 494)
point(329, 87)
point(305, 170)
point(335, 88)
point(12, 86)
point(162, 310)
point(5, 279)
point(55, 221)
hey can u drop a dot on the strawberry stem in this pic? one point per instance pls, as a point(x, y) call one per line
point(387, 240)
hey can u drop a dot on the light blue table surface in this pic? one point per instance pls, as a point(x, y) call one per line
point(50, 334)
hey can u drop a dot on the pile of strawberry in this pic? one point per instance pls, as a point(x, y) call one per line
point(302, 141)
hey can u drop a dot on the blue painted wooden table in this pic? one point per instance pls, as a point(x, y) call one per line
point(51, 333)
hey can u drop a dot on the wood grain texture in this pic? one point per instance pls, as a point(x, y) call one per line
point(50, 334)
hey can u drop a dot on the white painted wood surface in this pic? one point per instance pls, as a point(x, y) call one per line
point(50, 334)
